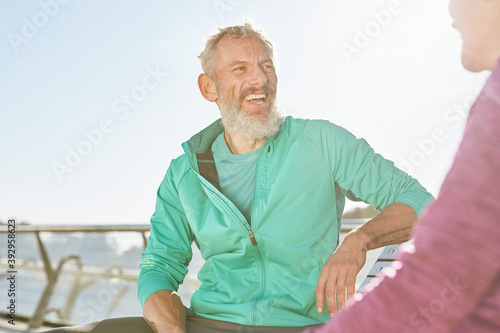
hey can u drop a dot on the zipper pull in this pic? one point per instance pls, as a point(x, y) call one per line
point(252, 237)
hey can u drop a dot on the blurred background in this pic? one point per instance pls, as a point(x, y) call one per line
point(84, 71)
point(97, 96)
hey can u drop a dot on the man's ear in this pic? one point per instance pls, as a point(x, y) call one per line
point(207, 87)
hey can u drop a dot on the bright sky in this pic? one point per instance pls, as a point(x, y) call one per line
point(97, 96)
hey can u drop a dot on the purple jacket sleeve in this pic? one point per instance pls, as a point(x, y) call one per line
point(450, 282)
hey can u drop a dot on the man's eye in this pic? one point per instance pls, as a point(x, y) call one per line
point(239, 68)
point(269, 68)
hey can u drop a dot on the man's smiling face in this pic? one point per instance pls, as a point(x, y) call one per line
point(244, 70)
point(246, 79)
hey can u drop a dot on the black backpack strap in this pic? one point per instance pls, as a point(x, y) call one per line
point(206, 167)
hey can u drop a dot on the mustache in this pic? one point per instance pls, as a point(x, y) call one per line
point(266, 89)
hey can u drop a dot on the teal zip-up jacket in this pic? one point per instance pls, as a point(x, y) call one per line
point(264, 273)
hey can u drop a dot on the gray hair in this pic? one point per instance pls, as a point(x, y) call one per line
point(246, 30)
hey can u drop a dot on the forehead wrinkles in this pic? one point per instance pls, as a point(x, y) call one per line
point(239, 48)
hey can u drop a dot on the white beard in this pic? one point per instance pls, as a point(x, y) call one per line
point(238, 121)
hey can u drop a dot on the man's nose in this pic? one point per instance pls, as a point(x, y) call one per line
point(258, 77)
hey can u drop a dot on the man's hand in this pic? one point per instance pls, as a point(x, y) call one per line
point(337, 281)
point(164, 312)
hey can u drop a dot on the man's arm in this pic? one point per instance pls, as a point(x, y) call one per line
point(164, 312)
point(400, 198)
point(165, 260)
point(337, 280)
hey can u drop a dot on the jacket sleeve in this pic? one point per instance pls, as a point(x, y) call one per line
point(168, 253)
point(372, 178)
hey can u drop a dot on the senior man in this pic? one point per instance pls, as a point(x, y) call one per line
point(262, 197)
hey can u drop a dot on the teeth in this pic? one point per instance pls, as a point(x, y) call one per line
point(251, 97)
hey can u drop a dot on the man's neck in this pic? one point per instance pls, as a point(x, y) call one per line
point(239, 144)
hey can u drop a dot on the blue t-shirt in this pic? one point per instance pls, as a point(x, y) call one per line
point(236, 175)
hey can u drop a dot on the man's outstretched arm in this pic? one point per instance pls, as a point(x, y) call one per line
point(338, 278)
point(164, 312)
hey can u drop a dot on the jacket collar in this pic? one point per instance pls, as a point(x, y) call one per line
point(200, 142)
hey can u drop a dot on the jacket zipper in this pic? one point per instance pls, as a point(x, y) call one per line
point(243, 223)
point(252, 237)
point(260, 258)
point(263, 287)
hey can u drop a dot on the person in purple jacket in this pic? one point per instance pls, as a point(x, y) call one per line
point(450, 280)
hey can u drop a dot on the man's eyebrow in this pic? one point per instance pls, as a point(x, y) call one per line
point(243, 62)
point(266, 60)
point(238, 62)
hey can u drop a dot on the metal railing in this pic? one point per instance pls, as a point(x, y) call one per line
point(82, 273)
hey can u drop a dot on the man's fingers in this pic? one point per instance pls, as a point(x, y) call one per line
point(340, 293)
point(335, 293)
point(320, 293)
point(337, 283)
point(331, 299)
point(338, 276)
point(351, 284)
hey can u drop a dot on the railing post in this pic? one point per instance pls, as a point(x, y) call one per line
point(41, 310)
point(37, 318)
